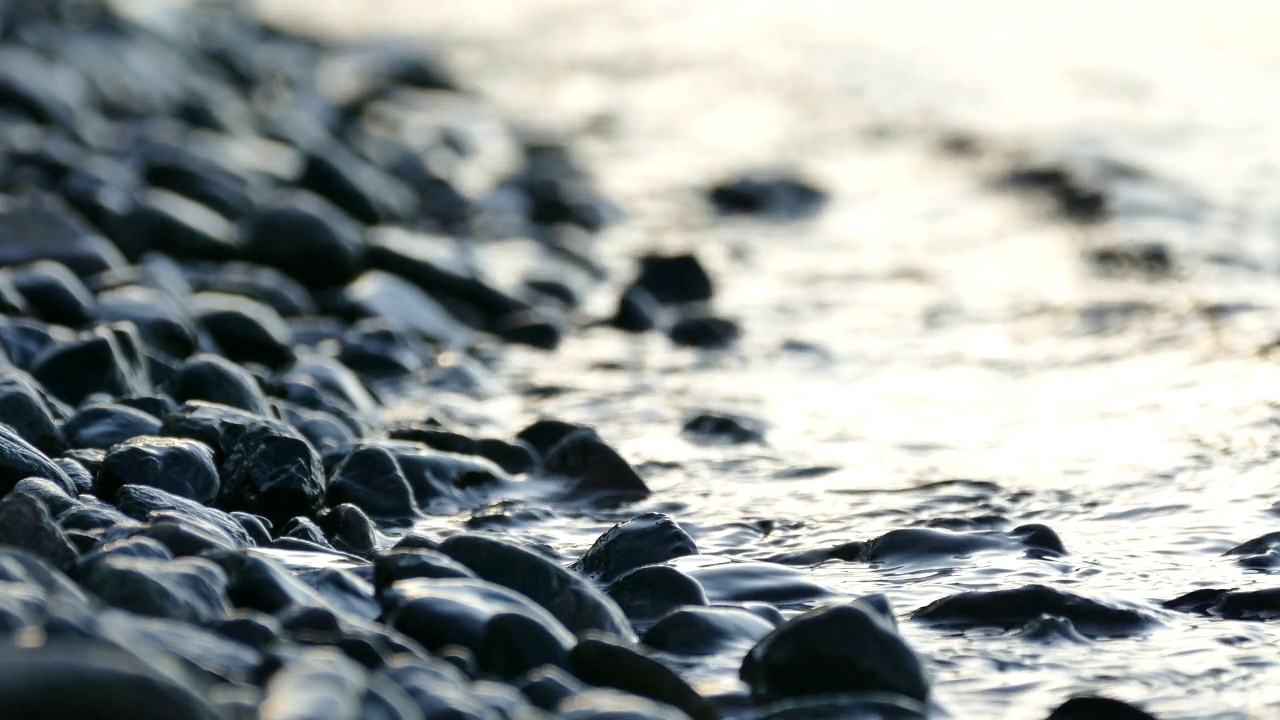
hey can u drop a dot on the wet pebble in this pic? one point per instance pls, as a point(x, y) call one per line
point(648, 539)
point(1016, 607)
point(770, 194)
point(182, 467)
point(102, 425)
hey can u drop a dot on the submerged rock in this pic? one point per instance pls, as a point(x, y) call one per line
point(1087, 707)
point(775, 195)
point(594, 468)
point(1016, 607)
point(706, 630)
point(650, 592)
point(648, 539)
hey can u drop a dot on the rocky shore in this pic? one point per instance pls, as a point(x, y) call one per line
point(226, 251)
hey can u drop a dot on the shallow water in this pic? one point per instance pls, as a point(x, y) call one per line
point(960, 359)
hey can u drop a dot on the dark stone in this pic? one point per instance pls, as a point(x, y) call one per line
point(1013, 608)
point(371, 479)
point(111, 683)
point(436, 437)
point(221, 427)
point(262, 284)
point(1090, 707)
point(1050, 629)
point(361, 190)
point(184, 540)
point(615, 705)
point(322, 429)
point(338, 382)
point(177, 225)
point(652, 591)
point(746, 581)
point(54, 294)
point(718, 428)
point(273, 474)
point(704, 331)
point(175, 465)
point(215, 379)
point(906, 546)
point(24, 339)
point(405, 564)
point(254, 526)
point(515, 458)
point(570, 598)
point(148, 503)
point(648, 539)
point(161, 321)
point(303, 528)
point(604, 662)
point(75, 464)
point(344, 591)
point(263, 584)
point(246, 330)
point(318, 683)
point(248, 627)
point(157, 406)
point(28, 412)
point(42, 227)
point(48, 492)
point(638, 311)
point(594, 468)
point(432, 474)
point(405, 306)
point(19, 460)
point(848, 647)
point(350, 529)
point(706, 630)
point(94, 362)
point(190, 590)
point(674, 279)
point(25, 523)
point(102, 425)
point(374, 346)
point(543, 435)
point(306, 237)
point(203, 181)
point(558, 192)
point(1074, 193)
point(440, 612)
point(774, 195)
point(548, 686)
point(438, 689)
point(530, 327)
point(1231, 604)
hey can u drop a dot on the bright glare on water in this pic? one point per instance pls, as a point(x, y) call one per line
point(927, 327)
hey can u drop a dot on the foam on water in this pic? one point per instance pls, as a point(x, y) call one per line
point(954, 331)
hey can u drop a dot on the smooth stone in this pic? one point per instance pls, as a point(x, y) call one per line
point(775, 195)
point(570, 598)
point(360, 189)
point(246, 330)
point(374, 346)
point(440, 612)
point(48, 492)
point(704, 331)
point(650, 592)
point(408, 308)
point(205, 182)
point(614, 705)
point(548, 686)
point(350, 529)
point(303, 528)
point(746, 581)
point(638, 311)
point(371, 479)
point(439, 690)
point(604, 662)
point(906, 546)
point(23, 339)
point(336, 379)
point(1016, 607)
point(848, 647)
point(273, 474)
point(248, 627)
point(26, 523)
point(545, 434)
point(147, 502)
point(221, 427)
point(176, 465)
point(179, 226)
point(191, 590)
point(54, 294)
point(514, 458)
point(28, 412)
point(308, 238)
point(673, 279)
point(20, 460)
point(215, 379)
point(406, 564)
point(321, 684)
point(155, 405)
point(111, 683)
point(258, 283)
point(719, 428)
point(183, 539)
point(93, 517)
point(254, 526)
point(42, 227)
point(80, 476)
point(846, 706)
point(1230, 603)
point(162, 321)
point(322, 429)
point(705, 630)
point(1050, 629)
point(1088, 707)
point(102, 425)
point(93, 362)
point(648, 539)
point(263, 584)
point(435, 437)
point(344, 591)
point(594, 468)
point(432, 474)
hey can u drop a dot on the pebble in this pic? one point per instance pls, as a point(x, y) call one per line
point(1019, 606)
point(592, 467)
point(706, 630)
point(316, 229)
point(20, 460)
point(102, 425)
point(648, 539)
point(179, 466)
point(274, 474)
point(768, 194)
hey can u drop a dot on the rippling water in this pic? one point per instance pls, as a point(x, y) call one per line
point(935, 342)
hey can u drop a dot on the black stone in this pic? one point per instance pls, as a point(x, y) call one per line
point(705, 630)
point(570, 598)
point(262, 284)
point(515, 458)
point(1013, 608)
point(704, 331)
point(647, 539)
point(674, 279)
point(54, 294)
point(405, 564)
point(548, 686)
point(221, 427)
point(177, 225)
point(543, 435)
point(350, 530)
point(638, 311)
point(749, 581)
point(175, 465)
point(594, 468)
point(191, 590)
point(775, 195)
point(306, 237)
point(28, 412)
point(605, 662)
point(19, 460)
point(25, 523)
point(94, 362)
point(650, 592)
point(148, 503)
point(1090, 707)
point(162, 321)
point(102, 425)
point(42, 227)
point(218, 380)
point(405, 306)
point(246, 330)
point(723, 429)
point(371, 479)
point(273, 474)
point(849, 647)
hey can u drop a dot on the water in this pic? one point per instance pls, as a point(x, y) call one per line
point(955, 332)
